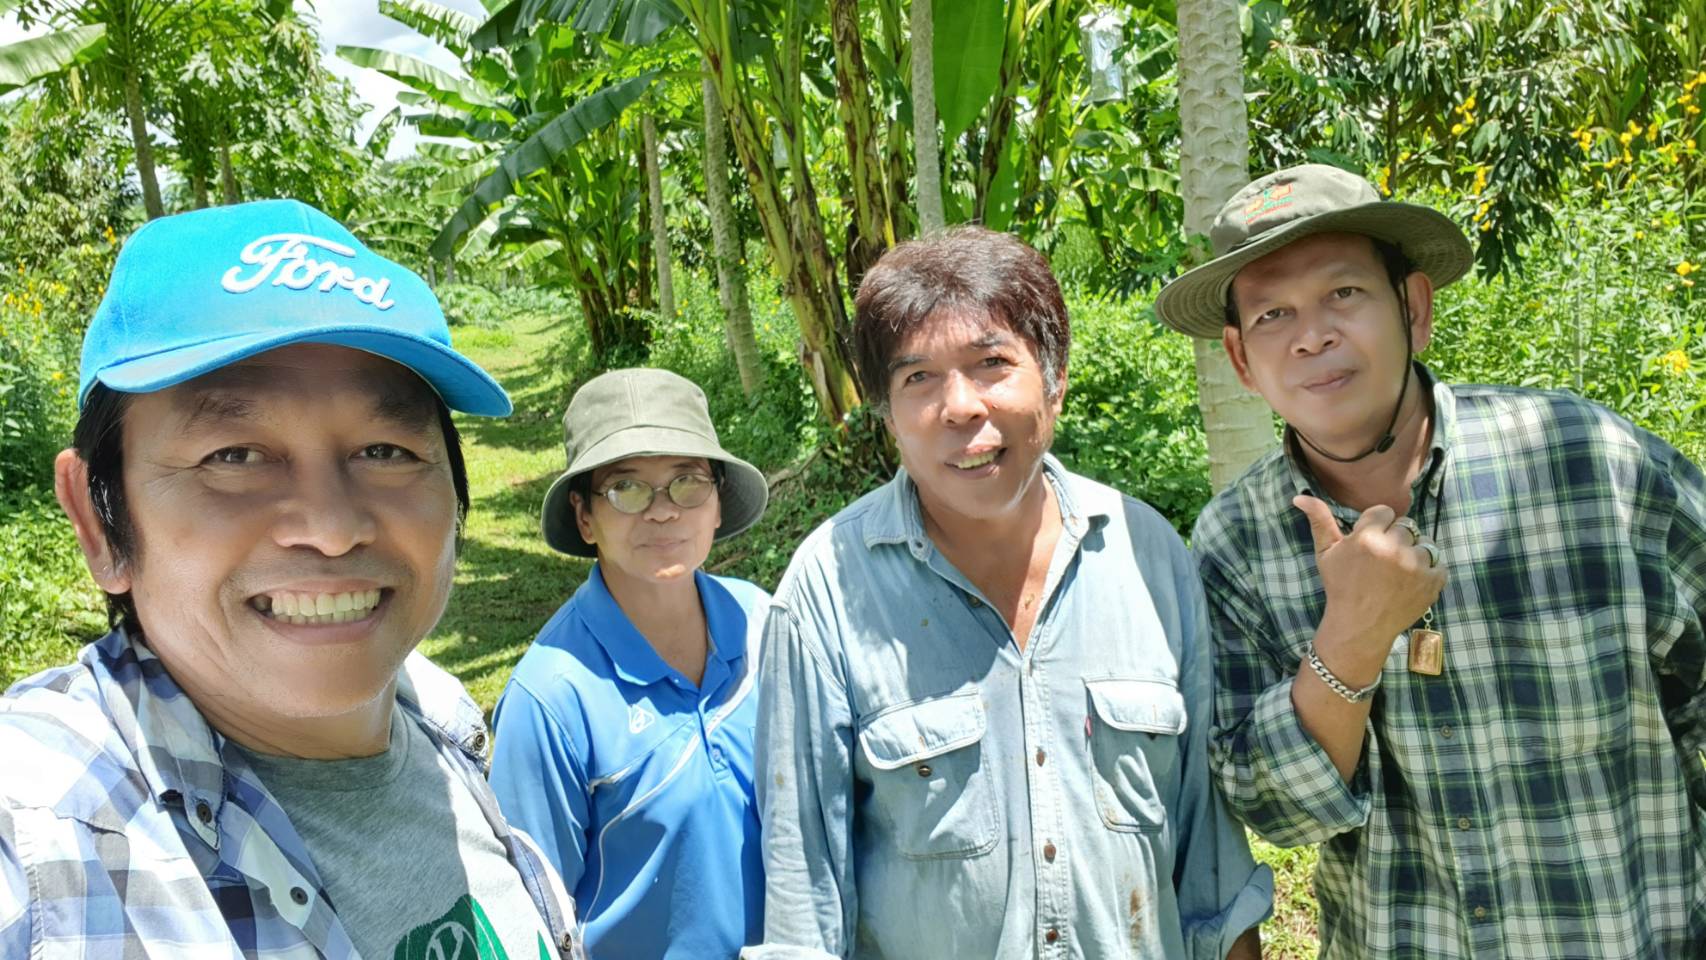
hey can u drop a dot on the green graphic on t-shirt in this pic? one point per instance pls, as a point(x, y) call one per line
point(463, 933)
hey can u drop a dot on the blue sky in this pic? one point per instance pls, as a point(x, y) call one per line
point(357, 23)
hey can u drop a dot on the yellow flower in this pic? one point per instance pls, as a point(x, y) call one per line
point(1675, 363)
point(1486, 225)
point(1624, 138)
point(108, 233)
point(1640, 234)
point(57, 376)
point(1456, 129)
point(1692, 109)
point(1685, 268)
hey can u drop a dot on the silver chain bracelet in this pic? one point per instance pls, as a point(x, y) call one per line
point(1339, 686)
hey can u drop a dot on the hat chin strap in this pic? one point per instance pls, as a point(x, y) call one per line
point(1386, 438)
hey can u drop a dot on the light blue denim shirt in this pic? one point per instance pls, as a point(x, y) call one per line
point(930, 790)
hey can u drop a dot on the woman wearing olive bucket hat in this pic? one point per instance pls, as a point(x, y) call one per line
point(624, 739)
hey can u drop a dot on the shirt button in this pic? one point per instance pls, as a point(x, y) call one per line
point(924, 769)
point(1462, 823)
point(478, 744)
point(298, 895)
point(567, 943)
point(1446, 731)
point(1048, 852)
point(1480, 913)
point(975, 601)
point(1040, 756)
point(203, 812)
point(1052, 935)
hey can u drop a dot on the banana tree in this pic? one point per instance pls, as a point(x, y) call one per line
point(755, 52)
point(561, 167)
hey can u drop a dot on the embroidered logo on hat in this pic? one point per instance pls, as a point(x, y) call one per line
point(1271, 199)
point(287, 255)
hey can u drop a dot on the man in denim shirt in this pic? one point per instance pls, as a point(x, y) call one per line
point(985, 686)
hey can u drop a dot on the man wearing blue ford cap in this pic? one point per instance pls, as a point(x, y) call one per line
point(266, 482)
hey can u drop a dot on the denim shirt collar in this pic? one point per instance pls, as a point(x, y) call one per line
point(896, 516)
point(1433, 467)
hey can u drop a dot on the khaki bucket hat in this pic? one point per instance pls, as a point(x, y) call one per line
point(1299, 202)
point(645, 413)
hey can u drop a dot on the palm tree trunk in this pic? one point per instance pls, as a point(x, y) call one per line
point(144, 147)
point(1214, 162)
point(660, 228)
point(227, 177)
point(726, 242)
point(198, 184)
point(929, 162)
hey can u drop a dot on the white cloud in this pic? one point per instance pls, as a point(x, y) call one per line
point(359, 23)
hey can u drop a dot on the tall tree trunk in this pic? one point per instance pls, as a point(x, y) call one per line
point(198, 185)
point(873, 231)
point(227, 176)
point(924, 137)
point(1214, 162)
point(793, 228)
point(727, 245)
point(660, 228)
point(144, 147)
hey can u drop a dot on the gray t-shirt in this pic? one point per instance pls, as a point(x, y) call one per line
point(407, 858)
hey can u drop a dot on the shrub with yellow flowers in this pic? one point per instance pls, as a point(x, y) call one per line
point(43, 313)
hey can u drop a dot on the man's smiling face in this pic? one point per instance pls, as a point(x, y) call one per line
point(295, 529)
point(1320, 336)
point(970, 412)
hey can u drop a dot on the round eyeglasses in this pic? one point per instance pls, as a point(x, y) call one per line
point(635, 496)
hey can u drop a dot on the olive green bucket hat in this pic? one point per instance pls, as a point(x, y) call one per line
point(1299, 202)
point(645, 413)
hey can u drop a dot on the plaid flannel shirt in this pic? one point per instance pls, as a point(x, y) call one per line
point(130, 828)
point(1535, 800)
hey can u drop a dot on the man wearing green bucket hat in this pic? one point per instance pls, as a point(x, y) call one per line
point(624, 739)
point(1458, 629)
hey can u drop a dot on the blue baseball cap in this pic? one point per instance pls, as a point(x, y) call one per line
point(194, 292)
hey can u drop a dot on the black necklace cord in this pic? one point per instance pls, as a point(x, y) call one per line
point(1386, 439)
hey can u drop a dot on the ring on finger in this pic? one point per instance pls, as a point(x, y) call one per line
point(1432, 552)
point(1410, 525)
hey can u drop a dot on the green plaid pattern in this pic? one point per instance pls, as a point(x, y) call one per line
point(1535, 800)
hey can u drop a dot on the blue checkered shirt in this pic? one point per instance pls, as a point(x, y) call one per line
point(1543, 797)
point(130, 828)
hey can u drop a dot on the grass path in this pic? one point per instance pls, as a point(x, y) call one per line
point(508, 582)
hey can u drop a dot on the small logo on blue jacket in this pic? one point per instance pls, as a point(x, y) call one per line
point(639, 718)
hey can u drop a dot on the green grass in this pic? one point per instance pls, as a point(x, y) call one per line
point(1291, 933)
point(48, 604)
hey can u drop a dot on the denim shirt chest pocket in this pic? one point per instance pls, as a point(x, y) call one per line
point(1135, 729)
point(930, 778)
